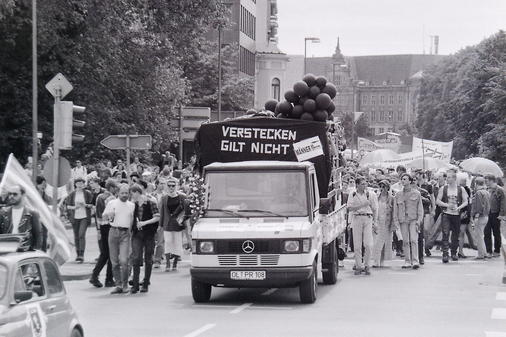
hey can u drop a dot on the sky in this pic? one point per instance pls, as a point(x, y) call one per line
point(380, 27)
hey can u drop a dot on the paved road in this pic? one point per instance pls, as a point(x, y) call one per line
point(464, 299)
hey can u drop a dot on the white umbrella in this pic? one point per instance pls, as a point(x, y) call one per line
point(377, 157)
point(481, 166)
point(428, 163)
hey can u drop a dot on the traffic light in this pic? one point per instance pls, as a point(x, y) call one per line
point(65, 124)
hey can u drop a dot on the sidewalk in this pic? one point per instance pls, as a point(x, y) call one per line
point(73, 271)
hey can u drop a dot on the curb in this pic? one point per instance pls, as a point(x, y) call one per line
point(76, 277)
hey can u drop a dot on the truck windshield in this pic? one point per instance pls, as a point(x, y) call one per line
point(257, 194)
point(3, 280)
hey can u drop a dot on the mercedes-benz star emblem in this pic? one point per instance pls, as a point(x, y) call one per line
point(248, 246)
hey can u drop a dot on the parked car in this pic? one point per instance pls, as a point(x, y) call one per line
point(33, 300)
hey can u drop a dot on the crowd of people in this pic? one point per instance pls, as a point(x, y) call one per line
point(393, 211)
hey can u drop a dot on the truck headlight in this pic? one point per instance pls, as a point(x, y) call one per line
point(291, 246)
point(306, 245)
point(206, 247)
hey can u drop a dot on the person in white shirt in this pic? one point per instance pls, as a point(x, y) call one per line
point(121, 215)
point(79, 171)
point(363, 205)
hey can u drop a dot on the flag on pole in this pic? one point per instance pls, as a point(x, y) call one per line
point(60, 244)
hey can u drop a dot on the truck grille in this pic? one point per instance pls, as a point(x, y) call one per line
point(262, 246)
point(248, 260)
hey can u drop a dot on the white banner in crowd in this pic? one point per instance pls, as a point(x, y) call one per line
point(432, 148)
point(367, 145)
point(60, 245)
point(389, 140)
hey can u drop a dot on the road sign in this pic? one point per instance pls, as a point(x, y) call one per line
point(63, 171)
point(59, 82)
point(119, 142)
point(191, 120)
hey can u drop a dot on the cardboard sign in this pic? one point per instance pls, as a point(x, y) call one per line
point(37, 321)
point(308, 148)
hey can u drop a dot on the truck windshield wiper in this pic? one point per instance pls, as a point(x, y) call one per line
point(262, 211)
point(226, 211)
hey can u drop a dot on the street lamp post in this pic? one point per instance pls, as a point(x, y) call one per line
point(313, 40)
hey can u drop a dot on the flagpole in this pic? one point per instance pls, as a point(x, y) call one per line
point(423, 155)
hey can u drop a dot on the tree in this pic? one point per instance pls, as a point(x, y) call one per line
point(463, 99)
point(361, 127)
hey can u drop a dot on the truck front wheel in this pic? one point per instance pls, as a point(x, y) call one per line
point(201, 292)
point(307, 289)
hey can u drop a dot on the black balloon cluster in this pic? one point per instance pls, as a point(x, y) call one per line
point(310, 99)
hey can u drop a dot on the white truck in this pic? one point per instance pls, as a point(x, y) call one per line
point(267, 223)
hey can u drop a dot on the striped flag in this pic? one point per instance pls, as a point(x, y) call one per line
point(60, 244)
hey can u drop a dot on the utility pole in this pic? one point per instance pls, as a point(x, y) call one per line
point(219, 77)
point(56, 149)
point(35, 124)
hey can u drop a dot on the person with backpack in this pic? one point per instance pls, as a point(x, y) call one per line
point(452, 199)
point(408, 215)
point(363, 205)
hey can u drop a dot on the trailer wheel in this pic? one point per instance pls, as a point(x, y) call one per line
point(332, 268)
point(307, 289)
point(201, 292)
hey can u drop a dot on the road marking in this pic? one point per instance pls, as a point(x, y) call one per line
point(271, 308)
point(499, 313)
point(269, 292)
point(501, 296)
point(241, 308)
point(495, 334)
point(200, 330)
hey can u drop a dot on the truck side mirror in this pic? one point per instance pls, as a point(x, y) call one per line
point(21, 296)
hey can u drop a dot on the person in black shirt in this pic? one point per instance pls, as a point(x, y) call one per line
point(143, 235)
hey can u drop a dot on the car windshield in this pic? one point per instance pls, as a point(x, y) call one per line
point(256, 194)
point(3, 280)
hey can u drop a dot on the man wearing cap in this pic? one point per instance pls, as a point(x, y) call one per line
point(363, 206)
point(408, 214)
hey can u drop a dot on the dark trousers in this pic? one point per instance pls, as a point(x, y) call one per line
point(450, 223)
point(143, 244)
point(421, 242)
point(493, 227)
point(103, 258)
point(80, 226)
point(44, 237)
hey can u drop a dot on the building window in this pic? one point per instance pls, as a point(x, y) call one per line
point(338, 80)
point(364, 99)
point(391, 99)
point(246, 61)
point(390, 116)
point(276, 88)
point(373, 100)
point(373, 115)
point(247, 23)
point(381, 130)
point(399, 116)
point(399, 99)
point(382, 99)
point(372, 131)
point(390, 130)
point(382, 116)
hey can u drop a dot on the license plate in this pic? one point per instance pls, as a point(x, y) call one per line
point(247, 275)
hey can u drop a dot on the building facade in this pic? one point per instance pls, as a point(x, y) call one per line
point(384, 87)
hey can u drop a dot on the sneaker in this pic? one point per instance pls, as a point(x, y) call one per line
point(480, 258)
point(427, 252)
point(144, 289)
point(134, 290)
point(156, 265)
point(174, 269)
point(462, 256)
point(117, 290)
point(79, 259)
point(445, 259)
point(367, 271)
point(357, 271)
point(416, 266)
point(96, 282)
point(109, 283)
point(167, 269)
point(406, 265)
point(496, 254)
point(488, 256)
point(455, 258)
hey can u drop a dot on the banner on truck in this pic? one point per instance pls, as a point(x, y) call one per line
point(432, 148)
point(261, 138)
